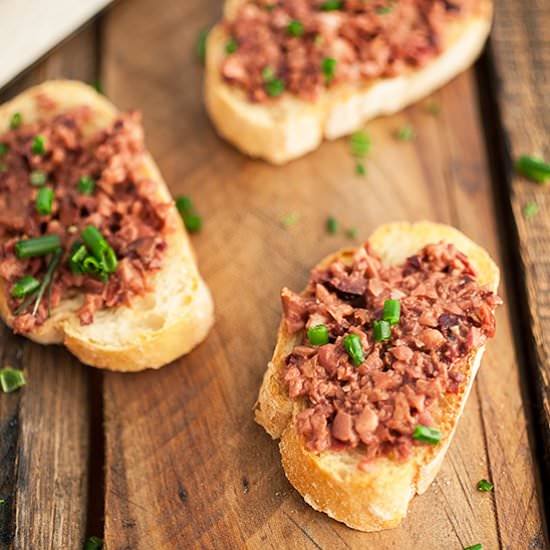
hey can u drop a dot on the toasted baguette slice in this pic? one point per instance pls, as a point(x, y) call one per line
point(281, 130)
point(331, 481)
point(160, 326)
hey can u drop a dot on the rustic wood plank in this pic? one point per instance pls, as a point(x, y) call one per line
point(44, 428)
point(186, 465)
point(520, 49)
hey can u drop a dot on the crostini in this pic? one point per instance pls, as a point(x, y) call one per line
point(281, 75)
point(93, 252)
point(373, 366)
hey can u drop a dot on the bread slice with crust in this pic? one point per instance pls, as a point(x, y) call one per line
point(281, 130)
point(170, 319)
point(330, 481)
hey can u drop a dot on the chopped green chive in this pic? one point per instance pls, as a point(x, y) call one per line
point(351, 233)
point(15, 120)
point(433, 108)
point(530, 210)
point(383, 10)
point(76, 257)
point(38, 178)
point(192, 222)
point(360, 144)
point(318, 336)
point(331, 5)
point(361, 169)
point(44, 201)
point(392, 311)
point(269, 7)
point(295, 28)
point(39, 246)
point(332, 226)
point(39, 145)
point(426, 434)
point(11, 379)
point(100, 248)
point(86, 185)
point(275, 87)
point(97, 86)
point(231, 46)
point(381, 331)
point(328, 66)
point(485, 486)
point(318, 40)
point(200, 46)
point(405, 133)
point(533, 168)
point(184, 205)
point(93, 543)
point(354, 349)
point(3, 149)
point(3, 167)
point(290, 220)
point(474, 547)
point(24, 286)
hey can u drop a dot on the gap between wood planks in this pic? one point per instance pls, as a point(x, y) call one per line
point(501, 168)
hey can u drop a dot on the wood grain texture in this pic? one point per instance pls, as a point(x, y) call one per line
point(44, 428)
point(186, 465)
point(521, 53)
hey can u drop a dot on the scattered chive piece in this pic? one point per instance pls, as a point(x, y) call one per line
point(383, 10)
point(530, 210)
point(39, 246)
point(3, 149)
point(44, 201)
point(361, 169)
point(15, 120)
point(289, 220)
point(405, 133)
point(433, 108)
point(231, 46)
point(392, 311)
point(295, 28)
point(25, 286)
point(485, 486)
point(269, 7)
point(328, 66)
point(97, 86)
point(3, 167)
point(360, 144)
point(332, 226)
point(426, 434)
point(318, 336)
point(318, 40)
point(39, 145)
point(192, 222)
point(11, 379)
point(100, 248)
point(93, 543)
point(474, 547)
point(381, 331)
point(533, 168)
point(331, 5)
point(200, 46)
point(184, 205)
point(351, 233)
point(86, 185)
point(76, 257)
point(275, 87)
point(354, 349)
point(38, 178)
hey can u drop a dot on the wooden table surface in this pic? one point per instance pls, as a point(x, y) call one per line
point(172, 459)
